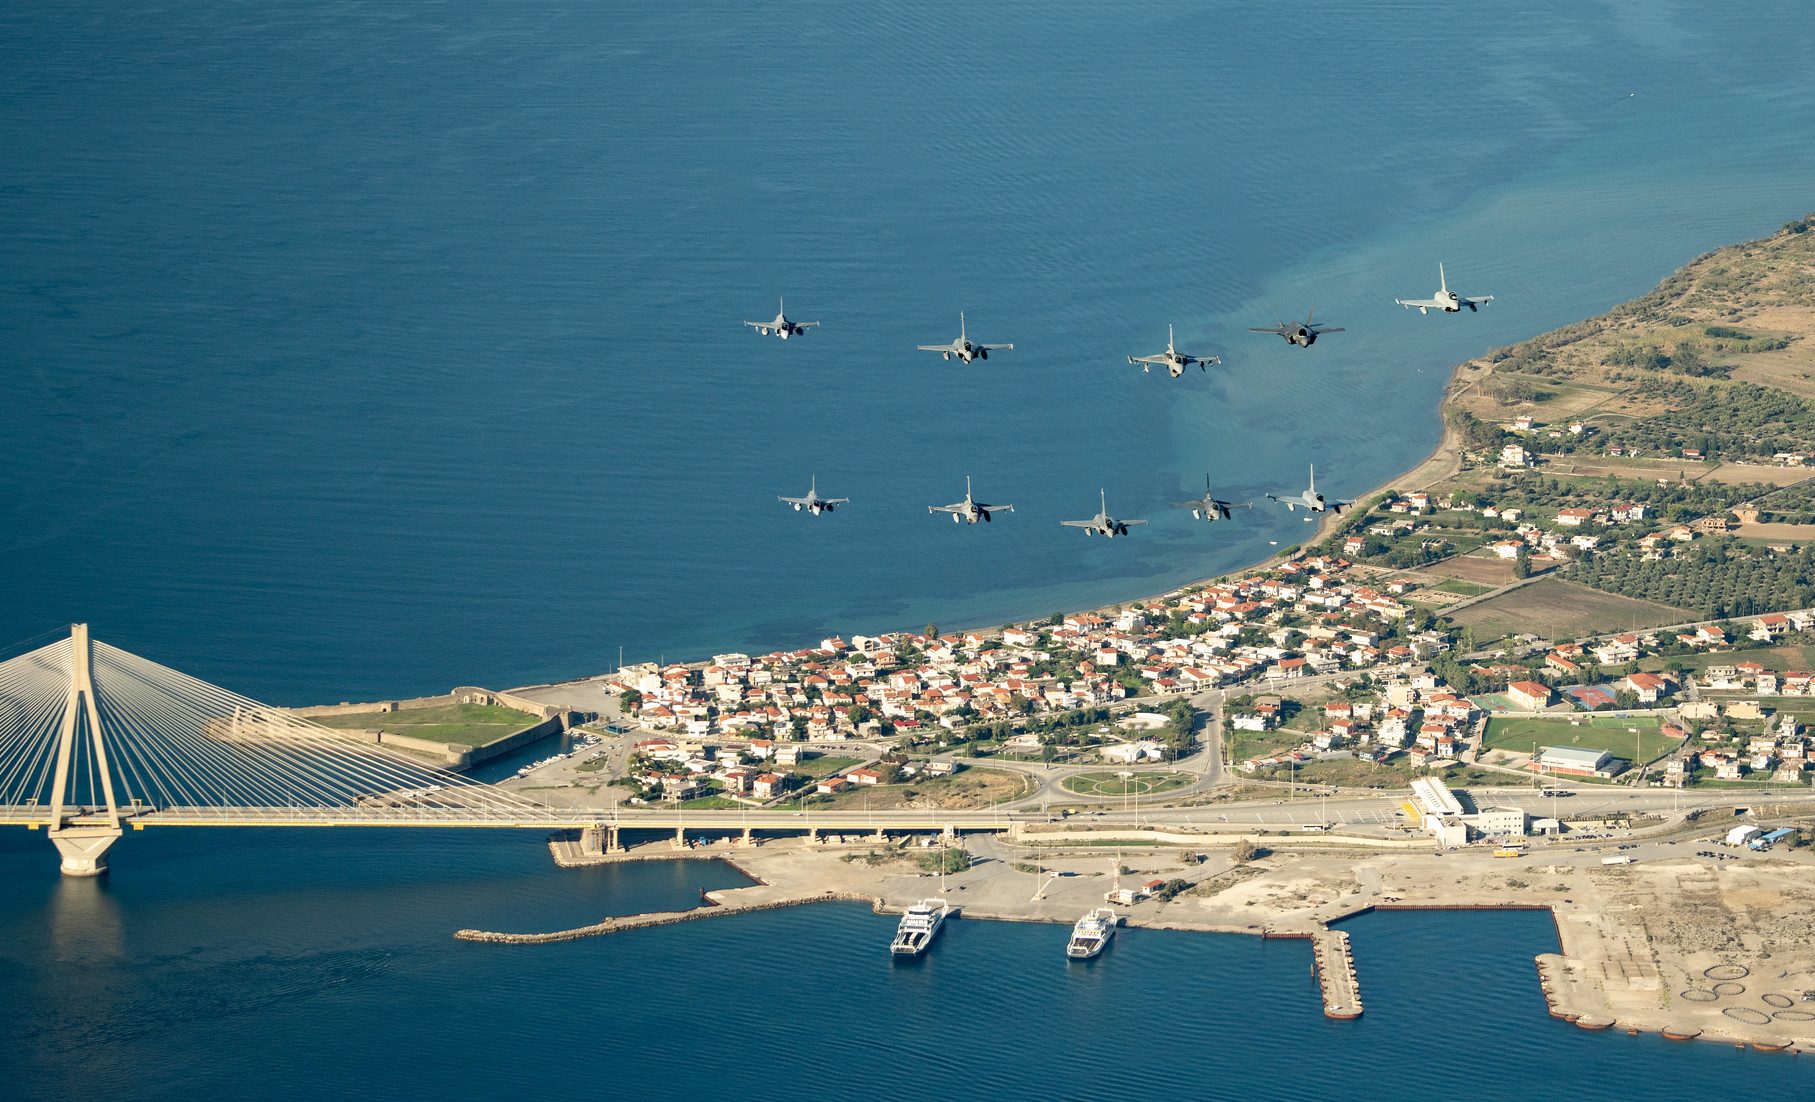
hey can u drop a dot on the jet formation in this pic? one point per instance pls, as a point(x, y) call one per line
point(1209, 507)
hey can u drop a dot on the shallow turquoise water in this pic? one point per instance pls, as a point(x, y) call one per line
point(362, 349)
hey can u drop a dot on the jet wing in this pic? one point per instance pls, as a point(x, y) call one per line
point(934, 347)
point(1477, 298)
point(1127, 523)
point(995, 508)
point(835, 501)
point(958, 508)
point(793, 500)
point(1433, 303)
point(1213, 361)
point(998, 347)
point(1338, 329)
point(1198, 504)
point(1147, 359)
point(758, 324)
point(806, 325)
point(1274, 329)
point(1079, 523)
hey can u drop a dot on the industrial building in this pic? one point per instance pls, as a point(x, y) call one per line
point(1576, 761)
point(1441, 815)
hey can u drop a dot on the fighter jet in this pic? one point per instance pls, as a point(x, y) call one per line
point(1310, 501)
point(1173, 360)
point(813, 503)
point(970, 510)
point(1302, 333)
point(1103, 524)
point(1210, 507)
point(1445, 299)
point(781, 326)
point(963, 348)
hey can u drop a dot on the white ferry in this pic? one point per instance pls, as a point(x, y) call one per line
point(1092, 933)
point(919, 925)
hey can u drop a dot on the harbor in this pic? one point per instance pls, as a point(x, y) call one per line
point(1611, 974)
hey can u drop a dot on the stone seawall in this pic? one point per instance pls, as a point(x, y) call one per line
point(660, 918)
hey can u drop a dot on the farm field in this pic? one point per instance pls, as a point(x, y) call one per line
point(1489, 572)
point(1556, 609)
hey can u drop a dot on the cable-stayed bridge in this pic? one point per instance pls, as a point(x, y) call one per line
point(94, 739)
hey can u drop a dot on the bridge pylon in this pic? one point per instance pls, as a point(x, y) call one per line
point(82, 836)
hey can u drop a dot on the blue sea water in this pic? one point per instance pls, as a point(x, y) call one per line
point(360, 349)
point(191, 972)
point(364, 348)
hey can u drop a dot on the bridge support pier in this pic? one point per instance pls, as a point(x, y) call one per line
point(949, 835)
point(812, 836)
point(882, 836)
point(84, 849)
point(749, 837)
point(680, 837)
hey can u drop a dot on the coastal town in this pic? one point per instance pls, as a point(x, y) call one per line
point(1558, 648)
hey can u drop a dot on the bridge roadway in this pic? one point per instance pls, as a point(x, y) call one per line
point(1380, 811)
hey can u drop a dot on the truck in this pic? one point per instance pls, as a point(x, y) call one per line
point(1622, 859)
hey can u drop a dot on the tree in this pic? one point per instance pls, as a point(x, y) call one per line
point(629, 699)
point(1246, 851)
point(1522, 564)
point(932, 631)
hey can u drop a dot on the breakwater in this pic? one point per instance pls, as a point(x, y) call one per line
point(658, 918)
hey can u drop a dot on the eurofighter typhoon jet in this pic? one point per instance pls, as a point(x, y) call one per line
point(1445, 299)
point(970, 510)
point(1311, 501)
point(781, 326)
point(962, 348)
point(1172, 359)
point(1103, 524)
point(813, 503)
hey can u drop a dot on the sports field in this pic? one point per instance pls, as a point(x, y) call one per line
point(1623, 737)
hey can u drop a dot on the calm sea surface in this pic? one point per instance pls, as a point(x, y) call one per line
point(363, 349)
point(216, 965)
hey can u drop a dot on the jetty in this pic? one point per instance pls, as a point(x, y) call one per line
point(1334, 962)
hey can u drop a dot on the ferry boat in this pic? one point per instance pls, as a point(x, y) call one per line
point(1092, 933)
point(919, 925)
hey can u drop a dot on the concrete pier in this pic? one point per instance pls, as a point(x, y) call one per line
point(1335, 965)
